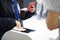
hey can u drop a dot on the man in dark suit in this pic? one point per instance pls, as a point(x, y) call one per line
point(7, 16)
point(6, 22)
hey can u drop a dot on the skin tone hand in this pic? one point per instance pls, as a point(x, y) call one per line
point(18, 26)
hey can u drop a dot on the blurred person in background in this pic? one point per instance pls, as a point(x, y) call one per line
point(53, 7)
point(41, 11)
point(53, 16)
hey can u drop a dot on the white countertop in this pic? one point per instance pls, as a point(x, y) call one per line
point(42, 32)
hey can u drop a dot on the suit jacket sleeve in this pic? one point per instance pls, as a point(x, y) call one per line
point(26, 15)
point(7, 22)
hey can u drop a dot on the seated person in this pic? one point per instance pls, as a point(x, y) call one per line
point(30, 11)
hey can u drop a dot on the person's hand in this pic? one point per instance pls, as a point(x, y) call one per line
point(18, 24)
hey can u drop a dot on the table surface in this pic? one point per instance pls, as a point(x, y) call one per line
point(41, 31)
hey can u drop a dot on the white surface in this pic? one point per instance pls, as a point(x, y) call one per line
point(24, 9)
point(42, 32)
point(21, 29)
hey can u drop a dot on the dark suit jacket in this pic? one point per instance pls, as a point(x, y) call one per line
point(7, 11)
point(7, 17)
point(7, 20)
